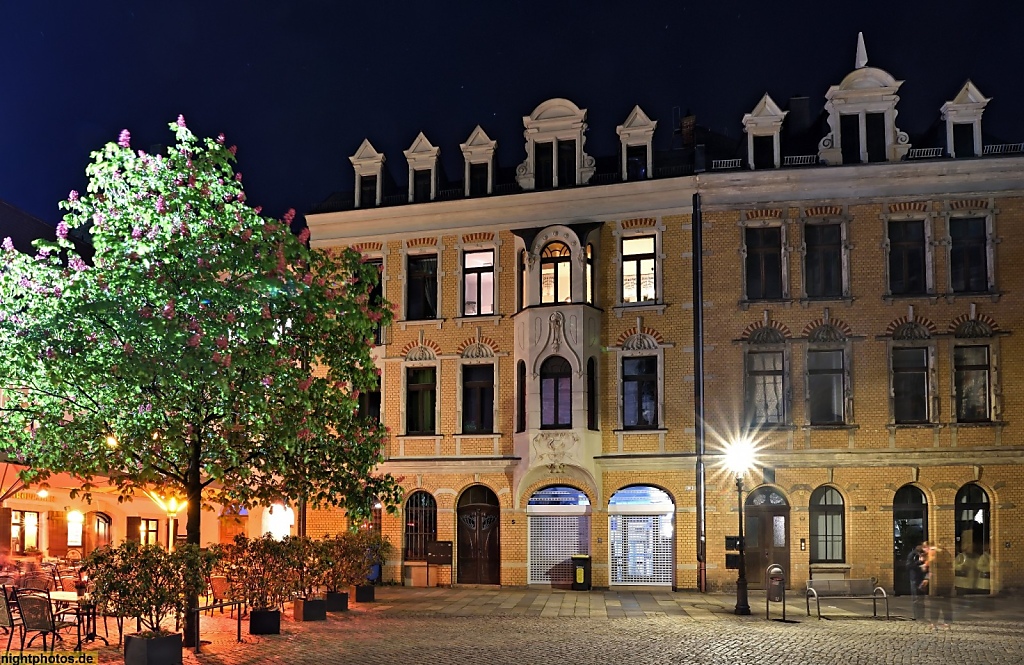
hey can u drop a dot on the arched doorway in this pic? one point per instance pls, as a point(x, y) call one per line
point(479, 546)
point(766, 534)
point(973, 563)
point(641, 535)
point(559, 524)
point(909, 529)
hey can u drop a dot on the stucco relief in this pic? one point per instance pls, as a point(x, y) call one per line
point(555, 450)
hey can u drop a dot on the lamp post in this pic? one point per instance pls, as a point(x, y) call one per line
point(739, 458)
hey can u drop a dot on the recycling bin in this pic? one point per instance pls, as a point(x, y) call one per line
point(581, 572)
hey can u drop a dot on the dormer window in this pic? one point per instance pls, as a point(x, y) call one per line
point(862, 118)
point(369, 167)
point(422, 158)
point(555, 273)
point(962, 116)
point(763, 127)
point(636, 135)
point(554, 147)
point(478, 153)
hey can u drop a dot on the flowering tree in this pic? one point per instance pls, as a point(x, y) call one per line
point(204, 350)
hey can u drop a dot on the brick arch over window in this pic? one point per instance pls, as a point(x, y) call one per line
point(646, 331)
point(772, 332)
point(484, 347)
point(906, 327)
point(827, 330)
point(966, 326)
point(424, 350)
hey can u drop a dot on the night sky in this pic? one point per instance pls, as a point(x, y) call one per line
point(298, 84)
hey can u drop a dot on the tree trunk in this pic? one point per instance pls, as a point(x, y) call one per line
point(193, 514)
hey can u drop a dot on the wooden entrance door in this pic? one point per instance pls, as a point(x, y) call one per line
point(479, 547)
point(909, 529)
point(766, 534)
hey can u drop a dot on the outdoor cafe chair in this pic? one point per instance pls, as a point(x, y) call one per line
point(9, 620)
point(68, 583)
point(37, 616)
point(37, 582)
point(220, 591)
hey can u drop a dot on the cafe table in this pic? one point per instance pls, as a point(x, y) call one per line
point(85, 613)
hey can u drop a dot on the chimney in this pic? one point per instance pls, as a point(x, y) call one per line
point(799, 119)
point(688, 126)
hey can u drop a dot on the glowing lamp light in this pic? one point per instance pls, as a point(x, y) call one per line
point(76, 517)
point(740, 456)
point(111, 441)
point(42, 494)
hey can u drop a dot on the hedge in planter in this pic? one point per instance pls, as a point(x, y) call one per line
point(308, 562)
point(257, 572)
point(149, 584)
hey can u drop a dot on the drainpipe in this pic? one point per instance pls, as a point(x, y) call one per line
point(697, 224)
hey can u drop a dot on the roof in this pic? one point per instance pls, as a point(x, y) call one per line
point(22, 228)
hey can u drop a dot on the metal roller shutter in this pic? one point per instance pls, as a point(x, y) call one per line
point(641, 549)
point(553, 540)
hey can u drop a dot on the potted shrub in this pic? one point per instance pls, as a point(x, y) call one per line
point(257, 575)
point(308, 567)
point(376, 549)
point(346, 568)
point(149, 584)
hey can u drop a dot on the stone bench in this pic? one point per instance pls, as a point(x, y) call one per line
point(853, 589)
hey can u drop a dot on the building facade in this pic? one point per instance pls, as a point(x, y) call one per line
point(861, 326)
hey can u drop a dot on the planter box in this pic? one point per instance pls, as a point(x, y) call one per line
point(364, 594)
point(165, 650)
point(337, 601)
point(265, 622)
point(309, 609)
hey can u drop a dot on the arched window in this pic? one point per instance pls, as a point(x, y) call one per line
point(420, 525)
point(827, 526)
point(556, 393)
point(555, 273)
point(592, 422)
point(521, 397)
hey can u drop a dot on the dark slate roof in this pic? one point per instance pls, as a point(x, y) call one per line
point(22, 228)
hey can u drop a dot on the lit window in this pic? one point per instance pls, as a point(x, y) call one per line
point(638, 265)
point(555, 274)
point(24, 531)
point(478, 283)
point(76, 520)
point(971, 383)
point(766, 403)
point(148, 530)
point(825, 386)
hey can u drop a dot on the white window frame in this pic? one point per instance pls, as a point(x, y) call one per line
point(995, 399)
point(929, 252)
point(785, 348)
point(638, 344)
point(489, 245)
point(480, 354)
point(844, 228)
point(622, 234)
point(764, 222)
point(427, 250)
point(419, 357)
point(932, 398)
point(845, 348)
point(988, 214)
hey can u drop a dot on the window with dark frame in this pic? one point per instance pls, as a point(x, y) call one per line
point(636, 162)
point(640, 392)
point(910, 385)
point(477, 399)
point(566, 163)
point(377, 297)
point(367, 191)
point(521, 396)
point(849, 131)
point(421, 181)
point(24, 531)
point(827, 528)
point(544, 165)
point(148, 530)
point(478, 178)
point(971, 383)
point(638, 269)
point(764, 152)
point(875, 130)
point(422, 288)
point(963, 139)
point(592, 415)
point(765, 396)
point(556, 393)
point(478, 283)
point(825, 387)
point(369, 405)
point(968, 255)
point(420, 525)
point(420, 400)
point(764, 263)
point(823, 261)
point(907, 258)
point(555, 273)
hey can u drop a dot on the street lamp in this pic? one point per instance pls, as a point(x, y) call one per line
point(739, 458)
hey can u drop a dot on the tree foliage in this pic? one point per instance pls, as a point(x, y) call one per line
point(204, 349)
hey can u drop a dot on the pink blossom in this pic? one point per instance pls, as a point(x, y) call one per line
point(266, 312)
point(233, 149)
point(77, 264)
point(98, 219)
point(222, 342)
point(73, 195)
point(241, 197)
point(168, 312)
point(268, 381)
point(238, 177)
point(289, 216)
point(146, 312)
point(42, 254)
point(181, 121)
point(124, 139)
point(91, 337)
point(62, 230)
point(306, 383)
point(128, 348)
point(8, 244)
point(304, 235)
point(194, 340)
point(227, 360)
point(310, 317)
point(191, 180)
point(161, 205)
point(246, 234)
point(216, 357)
point(220, 138)
point(50, 353)
point(136, 233)
point(307, 279)
point(258, 209)
point(230, 318)
point(151, 234)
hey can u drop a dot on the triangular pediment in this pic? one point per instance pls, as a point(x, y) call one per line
point(767, 108)
point(969, 94)
point(478, 138)
point(766, 117)
point(637, 119)
point(366, 152)
point(421, 146)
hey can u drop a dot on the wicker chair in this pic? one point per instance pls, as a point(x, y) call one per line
point(37, 617)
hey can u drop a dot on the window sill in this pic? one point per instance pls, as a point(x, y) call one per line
point(930, 297)
point(415, 323)
point(481, 435)
point(767, 427)
point(647, 306)
point(987, 423)
point(993, 295)
point(896, 426)
point(420, 437)
point(818, 300)
point(745, 303)
point(653, 430)
point(479, 318)
point(838, 426)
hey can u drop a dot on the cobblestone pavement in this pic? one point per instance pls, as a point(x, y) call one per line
point(521, 627)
